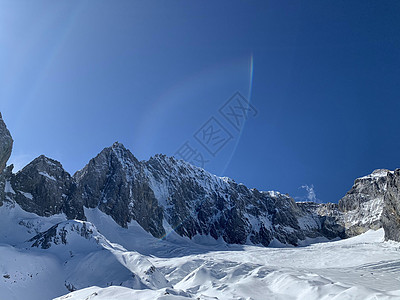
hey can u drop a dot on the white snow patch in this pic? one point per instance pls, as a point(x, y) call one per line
point(47, 176)
point(8, 188)
point(27, 195)
point(377, 174)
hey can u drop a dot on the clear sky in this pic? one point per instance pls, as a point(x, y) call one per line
point(322, 78)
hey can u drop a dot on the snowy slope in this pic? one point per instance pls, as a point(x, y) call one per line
point(164, 229)
point(97, 256)
point(64, 255)
point(363, 267)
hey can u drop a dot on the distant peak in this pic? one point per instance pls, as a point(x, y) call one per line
point(122, 153)
point(380, 171)
point(46, 159)
point(377, 174)
point(118, 145)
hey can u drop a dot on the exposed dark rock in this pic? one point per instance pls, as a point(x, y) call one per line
point(391, 211)
point(364, 189)
point(45, 188)
point(328, 216)
point(57, 234)
point(116, 183)
point(6, 143)
point(362, 206)
point(191, 200)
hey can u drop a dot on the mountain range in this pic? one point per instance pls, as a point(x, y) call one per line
point(168, 198)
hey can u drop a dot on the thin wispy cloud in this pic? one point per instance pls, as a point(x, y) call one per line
point(311, 194)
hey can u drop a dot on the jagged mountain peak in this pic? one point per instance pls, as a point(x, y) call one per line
point(375, 175)
point(118, 145)
point(44, 163)
point(44, 158)
point(44, 169)
point(45, 188)
point(115, 157)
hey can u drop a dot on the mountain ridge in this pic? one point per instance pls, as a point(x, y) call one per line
point(163, 193)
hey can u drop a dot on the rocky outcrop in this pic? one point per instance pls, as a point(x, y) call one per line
point(361, 209)
point(6, 143)
point(362, 206)
point(60, 233)
point(116, 182)
point(391, 210)
point(45, 188)
point(328, 216)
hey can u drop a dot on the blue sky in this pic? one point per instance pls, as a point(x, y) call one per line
point(321, 76)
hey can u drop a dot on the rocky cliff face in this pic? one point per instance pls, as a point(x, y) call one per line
point(328, 216)
point(391, 209)
point(362, 206)
point(45, 188)
point(189, 200)
point(357, 212)
point(6, 143)
point(116, 183)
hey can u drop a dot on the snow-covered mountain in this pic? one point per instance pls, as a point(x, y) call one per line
point(164, 194)
point(46, 257)
point(57, 254)
point(165, 229)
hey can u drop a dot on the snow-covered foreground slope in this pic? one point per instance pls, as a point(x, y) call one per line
point(363, 267)
point(93, 255)
point(42, 258)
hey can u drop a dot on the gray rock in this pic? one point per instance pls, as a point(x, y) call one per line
point(45, 188)
point(57, 234)
point(328, 216)
point(116, 183)
point(358, 211)
point(6, 143)
point(362, 206)
point(391, 211)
